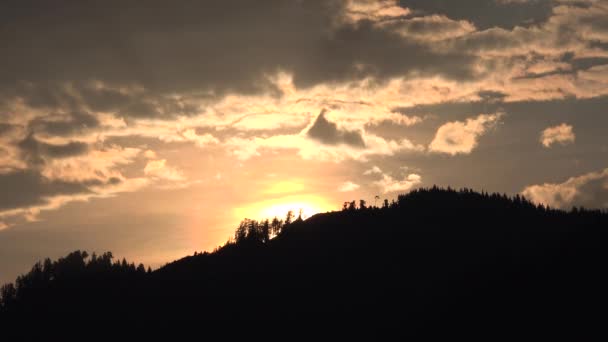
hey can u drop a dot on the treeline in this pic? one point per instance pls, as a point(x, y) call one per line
point(262, 231)
point(76, 266)
point(434, 197)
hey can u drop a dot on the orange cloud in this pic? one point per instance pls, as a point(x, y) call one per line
point(562, 134)
point(388, 184)
point(461, 137)
point(348, 186)
point(589, 190)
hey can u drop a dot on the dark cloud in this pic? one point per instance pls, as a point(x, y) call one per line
point(356, 52)
point(328, 133)
point(487, 13)
point(213, 45)
point(586, 63)
point(193, 47)
point(5, 128)
point(73, 123)
point(104, 100)
point(29, 188)
point(34, 151)
point(491, 96)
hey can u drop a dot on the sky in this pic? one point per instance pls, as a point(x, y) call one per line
point(151, 129)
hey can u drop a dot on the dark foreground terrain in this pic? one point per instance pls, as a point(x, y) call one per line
point(436, 262)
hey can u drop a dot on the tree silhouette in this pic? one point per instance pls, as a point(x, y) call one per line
point(289, 217)
point(362, 205)
point(265, 231)
point(276, 225)
point(241, 232)
point(352, 206)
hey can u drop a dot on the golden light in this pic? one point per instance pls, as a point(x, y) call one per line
point(309, 205)
point(285, 187)
point(281, 210)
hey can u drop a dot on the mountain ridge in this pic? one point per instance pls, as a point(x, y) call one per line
point(433, 258)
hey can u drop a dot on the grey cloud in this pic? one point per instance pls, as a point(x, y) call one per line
point(28, 188)
point(587, 63)
point(137, 104)
point(491, 96)
point(487, 13)
point(211, 47)
point(5, 128)
point(219, 46)
point(34, 151)
point(356, 52)
point(594, 194)
point(75, 122)
point(328, 133)
point(104, 100)
point(66, 150)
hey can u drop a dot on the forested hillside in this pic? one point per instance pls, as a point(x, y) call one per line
point(436, 261)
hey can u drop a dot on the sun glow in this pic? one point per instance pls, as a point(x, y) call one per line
point(285, 187)
point(280, 210)
point(307, 205)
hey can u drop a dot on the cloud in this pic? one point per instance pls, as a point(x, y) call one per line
point(373, 10)
point(43, 201)
point(36, 152)
point(98, 165)
point(562, 134)
point(200, 140)
point(59, 124)
point(164, 70)
point(52, 182)
point(483, 42)
point(589, 190)
point(28, 189)
point(373, 171)
point(487, 13)
point(348, 186)
point(244, 149)
point(159, 170)
point(328, 133)
point(388, 184)
point(461, 137)
point(150, 154)
point(359, 59)
point(396, 118)
point(431, 28)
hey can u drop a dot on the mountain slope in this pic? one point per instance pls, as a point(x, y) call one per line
point(435, 262)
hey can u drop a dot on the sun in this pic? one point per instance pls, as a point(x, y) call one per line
point(308, 205)
point(306, 210)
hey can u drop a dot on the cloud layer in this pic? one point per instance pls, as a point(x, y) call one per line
point(250, 84)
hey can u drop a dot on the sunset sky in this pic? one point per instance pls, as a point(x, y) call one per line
point(151, 128)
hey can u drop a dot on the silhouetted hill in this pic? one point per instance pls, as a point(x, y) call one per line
point(435, 262)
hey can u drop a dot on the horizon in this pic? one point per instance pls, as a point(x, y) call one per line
point(151, 130)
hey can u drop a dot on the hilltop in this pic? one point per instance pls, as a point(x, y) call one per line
point(434, 262)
